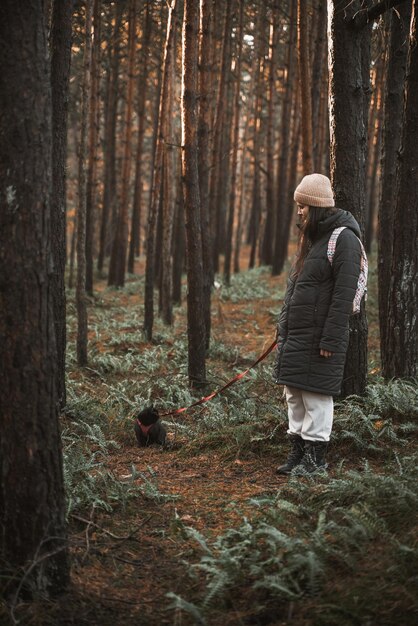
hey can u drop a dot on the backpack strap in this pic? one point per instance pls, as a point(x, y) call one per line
point(361, 290)
point(362, 281)
point(332, 243)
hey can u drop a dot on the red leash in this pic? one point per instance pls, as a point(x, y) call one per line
point(231, 382)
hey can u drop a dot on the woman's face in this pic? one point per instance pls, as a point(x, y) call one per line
point(303, 210)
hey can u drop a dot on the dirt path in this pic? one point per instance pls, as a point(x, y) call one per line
point(122, 577)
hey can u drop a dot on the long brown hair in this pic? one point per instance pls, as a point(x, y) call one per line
point(309, 232)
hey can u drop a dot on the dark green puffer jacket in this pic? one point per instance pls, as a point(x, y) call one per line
point(316, 311)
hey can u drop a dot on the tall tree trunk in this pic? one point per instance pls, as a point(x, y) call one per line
point(267, 243)
point(155, 133)
point(402, 332)
point(292, 175)
point(373, 184)
point(195, 319)
point(179, 240)
point(72, 253)
point(391, 141)
point(204, 125)
point(305, 87)
point(375, 133)
point(235, 140)
point(73, 221)
point(81, 209)
point(120, 242)
point(169, 198)
point(109, 183)
point(93, 144)
point(349, 63)
point(280, 240)
point(317, 83)
point(159, 231)
point(240, 202)
point(32, 505)
point(60, 73)
point(254, 226)
point(134, 244)
point(157, 179)
point(323, 127)
point(291, 179)
point(218, 161)
point(224, 172)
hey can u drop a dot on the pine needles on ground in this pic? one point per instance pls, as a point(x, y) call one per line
point(327, 544)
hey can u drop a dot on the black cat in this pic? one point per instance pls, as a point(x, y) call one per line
point(148, 428)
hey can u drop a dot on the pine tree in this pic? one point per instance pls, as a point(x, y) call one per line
point(195, 318)
point(32, 505)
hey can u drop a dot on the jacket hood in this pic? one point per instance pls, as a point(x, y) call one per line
point(338, 219)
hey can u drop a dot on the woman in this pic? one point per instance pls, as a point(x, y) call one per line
point(313, 325)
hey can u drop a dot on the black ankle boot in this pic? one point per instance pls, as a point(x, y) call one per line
point(295, 455)
point(313, 459)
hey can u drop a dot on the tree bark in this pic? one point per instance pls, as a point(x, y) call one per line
point(225, 166)
point(218, 159)
point(290, 87)
point(391, 141)
point(109, 183)
point(134, 244)
point(254, 225)
point(204, 126)
point(93, 144)
point(349, 63)
point(375, 132)
point(305, 87)
point(322, 153)
point(240, 201)
point(317, 83)
point(60, 74)
point(266, 255)
point(81, 301)
point(156, 120)
point(291, 181)
point(195, 318)
point(179, 240)
point(235, 140)
point(156, 181)
point(159, 231)
point(402, 336)
point(32, 504)
point(169, 198)
point(117, 265)
point(72, 253)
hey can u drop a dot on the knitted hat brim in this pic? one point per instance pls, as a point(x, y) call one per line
point(305, 199)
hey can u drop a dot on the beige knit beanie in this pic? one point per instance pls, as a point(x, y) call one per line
point(315, 190)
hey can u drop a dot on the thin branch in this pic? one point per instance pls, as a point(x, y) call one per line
point(365, 16)
point(107, 532)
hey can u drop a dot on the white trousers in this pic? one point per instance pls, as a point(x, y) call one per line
point(310, 414)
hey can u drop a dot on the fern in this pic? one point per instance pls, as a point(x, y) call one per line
point(245, 286)
point(335, 521)
point(397, 398)
point(367, 431)
point(190, 608)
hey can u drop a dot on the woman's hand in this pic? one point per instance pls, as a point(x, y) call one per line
point(325, 353)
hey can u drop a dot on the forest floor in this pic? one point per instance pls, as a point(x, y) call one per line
point(129, 525)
